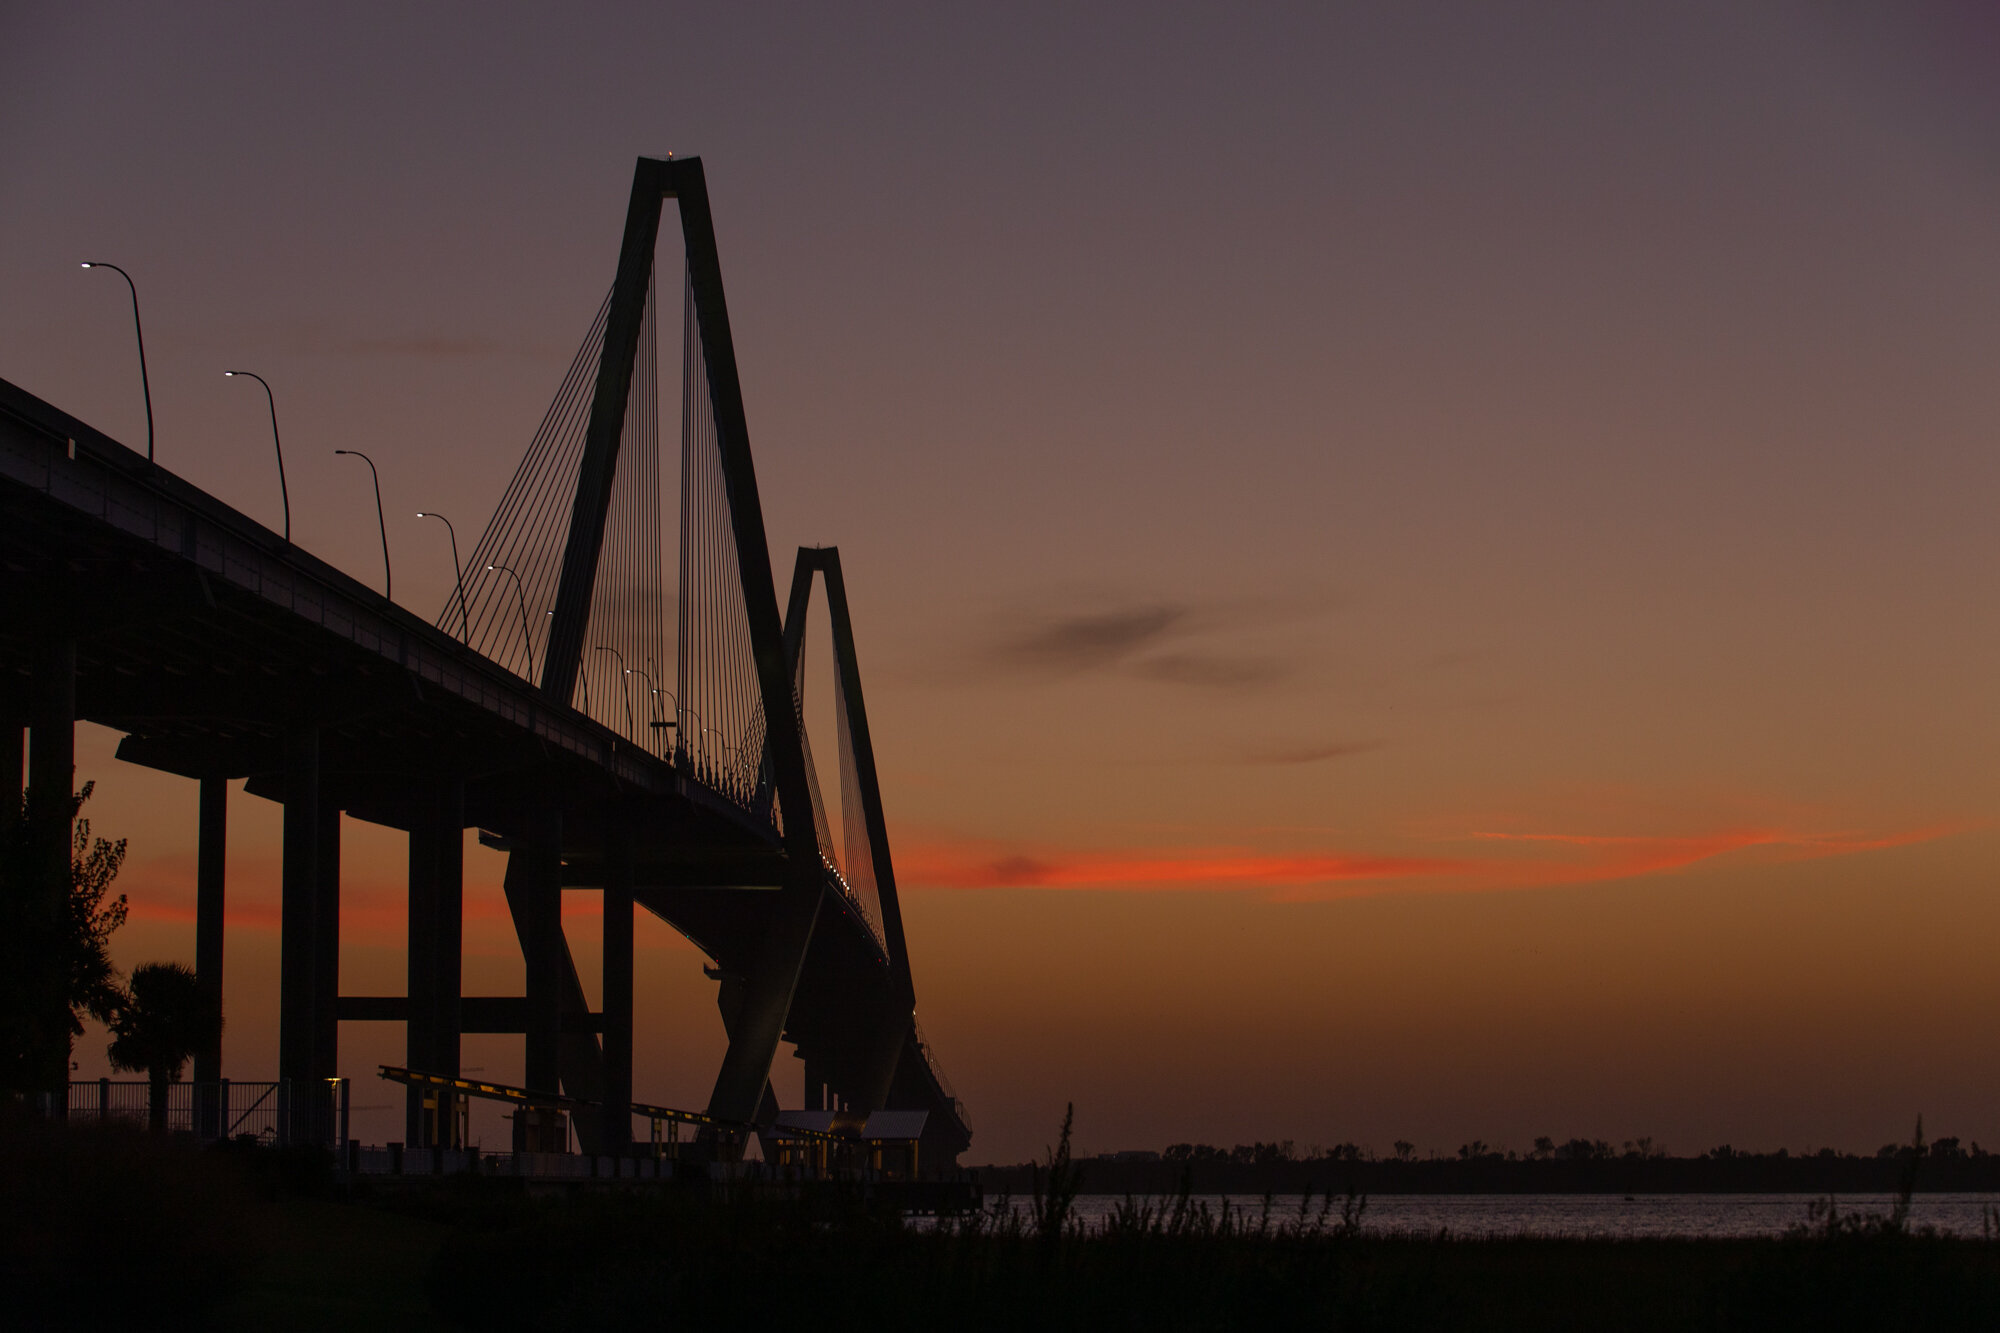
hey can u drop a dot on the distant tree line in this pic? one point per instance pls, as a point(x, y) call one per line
point(1544, 1150)
point(1574, 1165)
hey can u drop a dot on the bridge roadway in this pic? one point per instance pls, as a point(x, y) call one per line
point(139, 602)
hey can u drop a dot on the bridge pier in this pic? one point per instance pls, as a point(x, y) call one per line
point(755, 1017)
point(298, 912)
point(211, 857)
point(51, 785)
point(534, 897)
point(52, 726)
point(326, 944)
point(617, 987)
point(434, 1020)
point(882, 1050)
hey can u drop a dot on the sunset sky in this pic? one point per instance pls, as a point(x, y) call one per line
point(1422, 571)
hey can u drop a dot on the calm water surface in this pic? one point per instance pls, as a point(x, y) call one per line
point(1592, 1215)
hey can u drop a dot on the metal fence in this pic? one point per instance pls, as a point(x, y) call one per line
point(279, 1113)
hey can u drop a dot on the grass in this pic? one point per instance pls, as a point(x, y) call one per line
point(125, 1230)
point(680, 1261)
point(680, 1264)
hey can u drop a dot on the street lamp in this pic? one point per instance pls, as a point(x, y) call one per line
point(458, 573)
point(272, 400)
point(681, 743)
point(145, 385)
point(527, 641)
point(725, 745)
point(622, 680)
point(379, 519)
point(653, 692)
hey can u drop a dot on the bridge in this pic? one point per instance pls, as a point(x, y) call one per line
point(617, 716)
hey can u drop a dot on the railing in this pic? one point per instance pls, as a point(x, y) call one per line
point(938, 1075)
point(279, 1113)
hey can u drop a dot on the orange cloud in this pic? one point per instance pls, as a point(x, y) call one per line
point(963, 868)
point(1625, 856)
point(1545, 859)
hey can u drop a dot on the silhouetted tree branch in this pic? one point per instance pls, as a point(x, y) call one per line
point(55, 932)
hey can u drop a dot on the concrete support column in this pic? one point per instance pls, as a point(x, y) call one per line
point(51, 786)
point(618, 989)
point(52, 730)
point(421, 985)
point(534, 893)
point(756, 1021)
point(448, 1020)
point(421, 973)
point(436, 954)
point(419, 1026)
point(889, 1033)
point(212, 834)
point(298, 913)
point(326, 950)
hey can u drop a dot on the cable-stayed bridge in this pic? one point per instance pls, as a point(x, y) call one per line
point(611, 695)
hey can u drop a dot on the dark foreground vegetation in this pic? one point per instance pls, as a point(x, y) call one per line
point(103, 1229)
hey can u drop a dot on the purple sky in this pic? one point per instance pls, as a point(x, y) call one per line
point(1414, 563)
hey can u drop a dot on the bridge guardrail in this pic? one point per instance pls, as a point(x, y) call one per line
point(938, 1075)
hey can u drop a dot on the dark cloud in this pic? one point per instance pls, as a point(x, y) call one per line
point(1020, 870)
point(1210, 670)
point(1082, 643)
point(1309, 754)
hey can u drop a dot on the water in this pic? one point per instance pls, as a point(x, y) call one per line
point(1592, 1216)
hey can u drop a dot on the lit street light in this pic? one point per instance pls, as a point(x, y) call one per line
point(653, 692)
point(623, 679)
point(457, 573)
point(682, 746)
point(527, 640)
point(379, 519)
point(653, 698)
point(145, 385)
point(658, 725)
point(273, 401)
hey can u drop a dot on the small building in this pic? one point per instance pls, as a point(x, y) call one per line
point(885, 1143)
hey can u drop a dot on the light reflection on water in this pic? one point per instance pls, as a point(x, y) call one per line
point(1595, 1216)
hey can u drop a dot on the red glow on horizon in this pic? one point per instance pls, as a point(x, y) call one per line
point(1596, 858)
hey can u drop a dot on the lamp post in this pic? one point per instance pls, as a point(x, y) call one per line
point(653, 692)
point(681, 744)
point(271, 398)
point(624, 680)
point(725, 747)
point(527, 641)
point(458, 573)
point(379, 519)
point(145, 385)
point(652, 700)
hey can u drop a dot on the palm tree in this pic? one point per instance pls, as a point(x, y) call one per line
point(166, 1017)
